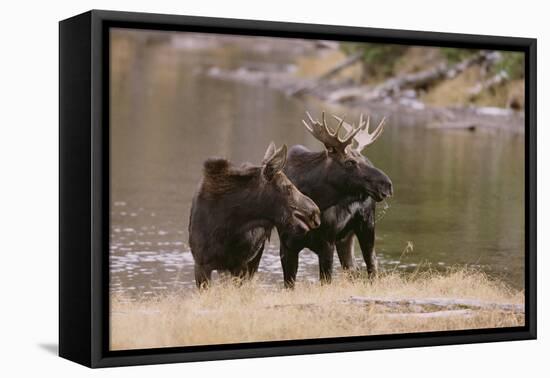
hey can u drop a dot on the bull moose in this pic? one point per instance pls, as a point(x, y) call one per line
point(235, 209)
point(345, 186)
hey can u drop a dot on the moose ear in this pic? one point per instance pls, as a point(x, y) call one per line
point(269, 152)
point(275, 163)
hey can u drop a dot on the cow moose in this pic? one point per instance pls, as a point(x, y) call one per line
point(345, 186)
point(235, 209)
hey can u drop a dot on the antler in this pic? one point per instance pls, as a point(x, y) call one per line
point(329, 138)
point(364, 138)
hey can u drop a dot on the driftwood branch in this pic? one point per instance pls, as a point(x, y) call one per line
point(308, 86)
point(413, 81)
point(421, 308)
point(449, 125)
point(431, 315)
point(492, 82)
point(418, 308)
point(439, 302)
point(428, 77)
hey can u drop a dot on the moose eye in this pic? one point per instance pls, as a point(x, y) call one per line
point(350, 163)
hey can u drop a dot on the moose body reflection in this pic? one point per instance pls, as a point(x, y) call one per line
point(345, 185)
point(235, 210)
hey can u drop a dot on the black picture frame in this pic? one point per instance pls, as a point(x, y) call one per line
point(84, 188)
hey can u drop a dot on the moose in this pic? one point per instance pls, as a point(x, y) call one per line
point(235, 209)
point(345, 186)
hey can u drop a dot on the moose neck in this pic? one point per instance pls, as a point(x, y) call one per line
point(250, 207)
point(309, 172)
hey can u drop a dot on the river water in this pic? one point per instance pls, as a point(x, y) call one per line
point(459, 195)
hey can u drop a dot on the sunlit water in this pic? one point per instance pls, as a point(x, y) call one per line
point(458, 195)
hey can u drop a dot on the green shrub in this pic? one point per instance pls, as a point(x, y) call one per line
point(378, 58)
point(455, 55)
point(513, 63)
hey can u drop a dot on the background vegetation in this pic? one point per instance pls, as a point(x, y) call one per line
point(498, 81)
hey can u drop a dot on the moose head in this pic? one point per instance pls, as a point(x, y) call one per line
point(346, 169)
point(288, 206)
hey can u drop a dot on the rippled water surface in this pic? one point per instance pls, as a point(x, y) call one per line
point(458, 195)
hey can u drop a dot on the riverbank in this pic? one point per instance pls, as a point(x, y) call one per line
point(436, 94)
point(422, 301)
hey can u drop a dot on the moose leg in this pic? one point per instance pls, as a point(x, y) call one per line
point(344, 248)
point(252, 265)
point(326, 257)
point(238, 275)
point(289, 261)
point(203, 275)
point(365, 234)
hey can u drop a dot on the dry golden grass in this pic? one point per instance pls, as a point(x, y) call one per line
point(228, 313)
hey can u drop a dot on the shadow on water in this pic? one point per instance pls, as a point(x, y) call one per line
point(458, 195)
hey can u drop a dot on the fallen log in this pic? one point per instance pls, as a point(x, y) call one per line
point(449, 125)
point(431, 315)
point(395, 86)
point(414, 80)
point(421, 308)
point(444, 306)
point(494, 81)
point(308, 86)
point(438, 302)
point(425, 78)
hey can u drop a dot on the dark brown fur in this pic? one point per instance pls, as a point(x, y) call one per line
point(235, 210)
point(345, 186)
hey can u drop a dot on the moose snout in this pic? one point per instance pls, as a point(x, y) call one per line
point(313, 214)
point(307, 216)
point(386, 188)
point(382, 187)
point(315, 217)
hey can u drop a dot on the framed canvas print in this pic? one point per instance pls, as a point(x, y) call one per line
point(234, 188)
